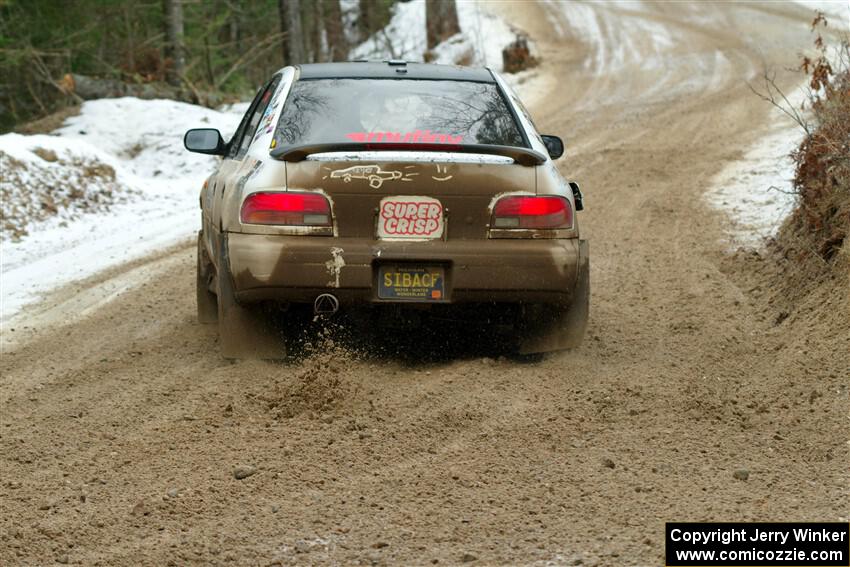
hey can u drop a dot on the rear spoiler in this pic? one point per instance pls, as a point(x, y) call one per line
point(522, 156)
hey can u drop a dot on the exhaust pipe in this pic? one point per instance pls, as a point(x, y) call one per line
point(326, 304)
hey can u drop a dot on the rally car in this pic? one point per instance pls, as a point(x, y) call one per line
point(389, 188)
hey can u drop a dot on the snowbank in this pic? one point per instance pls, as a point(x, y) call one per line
point(147, 135)
point(482, 38)
point(46, 178)
point(126, 155)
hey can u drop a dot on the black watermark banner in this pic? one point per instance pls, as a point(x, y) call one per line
point(695, 544)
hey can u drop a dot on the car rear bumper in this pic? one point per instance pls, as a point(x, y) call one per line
point(298, 268)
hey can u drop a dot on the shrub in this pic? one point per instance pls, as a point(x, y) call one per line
point(820, 223)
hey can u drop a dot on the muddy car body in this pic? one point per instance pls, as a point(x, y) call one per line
point(389, 186)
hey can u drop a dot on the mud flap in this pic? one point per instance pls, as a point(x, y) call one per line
point(206, 299)
point(567, 330)
point(244, 331)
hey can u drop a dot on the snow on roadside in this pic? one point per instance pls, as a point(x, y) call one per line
point(756, 191)
point(482, 38)
point(157, 181)
point(836, 11)
point(45, 178)
point(147, 135)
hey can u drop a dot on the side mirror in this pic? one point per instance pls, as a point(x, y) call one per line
point(554, 145)
point(577, 196)
point(204, 141)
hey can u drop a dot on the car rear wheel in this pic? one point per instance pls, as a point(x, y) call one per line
point(244, 331)
point(564, 329)
point(206, 299)
point(574, 322)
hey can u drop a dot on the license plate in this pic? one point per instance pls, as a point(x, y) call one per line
point(412, 283)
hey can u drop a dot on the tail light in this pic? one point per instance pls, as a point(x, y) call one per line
point(526, 212)
point(292, 209)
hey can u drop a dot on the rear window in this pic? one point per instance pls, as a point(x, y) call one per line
point(396, 111)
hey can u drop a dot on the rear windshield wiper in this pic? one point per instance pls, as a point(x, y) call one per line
point(522, 156)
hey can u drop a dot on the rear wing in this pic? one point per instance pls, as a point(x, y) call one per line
point(522, 156)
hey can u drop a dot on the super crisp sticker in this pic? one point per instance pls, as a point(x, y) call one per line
point(413, 218)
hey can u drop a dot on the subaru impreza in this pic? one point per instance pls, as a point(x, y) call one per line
point(406, 192)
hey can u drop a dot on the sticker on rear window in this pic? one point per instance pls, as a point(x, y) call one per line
point(416, 137)
point(410, 218)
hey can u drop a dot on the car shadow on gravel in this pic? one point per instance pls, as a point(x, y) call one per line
point(425, 343)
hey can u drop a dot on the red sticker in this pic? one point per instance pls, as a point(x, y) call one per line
point(415, 137)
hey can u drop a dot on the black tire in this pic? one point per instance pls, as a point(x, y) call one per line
point(528, 358)
point(206, 299)
point(244, 330)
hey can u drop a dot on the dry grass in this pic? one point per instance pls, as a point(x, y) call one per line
point(814, 238)
point(822, 178)
point(49, 123)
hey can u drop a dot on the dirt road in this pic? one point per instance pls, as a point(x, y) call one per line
point(121, 427)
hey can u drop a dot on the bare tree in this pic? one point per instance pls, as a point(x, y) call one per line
point(366, 20)
point(234, 27)
point(440, 21)
point(337, 44)
point(313, 28)
point(290, 25)
point(174, 48)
